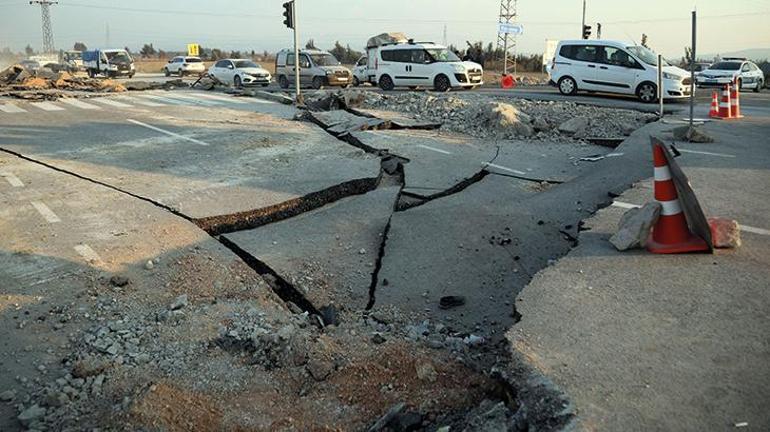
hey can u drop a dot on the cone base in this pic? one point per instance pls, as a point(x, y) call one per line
point(692, 244)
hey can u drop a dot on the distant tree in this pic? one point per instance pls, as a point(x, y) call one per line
point(217, 54)
point(310, 44)
point(235, 54)
point(127, 50)
point(29, 51)
point(345, 54)
point(644, 40)
point(80, 46)
point(253, 54)
point(147, 50)
point(162, 54)
point(687, 55)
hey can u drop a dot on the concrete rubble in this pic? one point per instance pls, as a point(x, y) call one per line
point(635, 225)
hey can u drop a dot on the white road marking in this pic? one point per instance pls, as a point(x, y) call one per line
point(504, 168)
point(746, 228)
point(434, 149)
point(112, 102)
point(192, 99)
point(47, 106)
point(46, 212)
point(705, 153)
point(169, 133)
point(163, 99)
point(11, 108)
point(79, 104)
point(220, 98)
point(88, 254)
point(12, 179)
point(138, 101)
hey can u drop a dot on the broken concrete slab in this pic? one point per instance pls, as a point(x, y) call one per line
point(338, 122)
point(635, 225)
point(328, 254)
point(397, 119)
point(481, 244)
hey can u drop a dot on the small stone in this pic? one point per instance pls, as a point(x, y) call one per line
point(31, 414)
point(7, 396)
point(635, 226)
point(725, 233)
point(574, 126)
point(362, 251)
point(119, 281)
point(178, 303)
point(426, 371)
point(378, 339)
point(473, 340)
point(319, 369)
point(149, 265)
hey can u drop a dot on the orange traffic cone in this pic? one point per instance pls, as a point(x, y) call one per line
point(714, 111)
point(671, 233)
point(735, 103)
point(724, 103)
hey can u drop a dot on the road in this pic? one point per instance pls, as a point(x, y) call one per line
point(372, 230)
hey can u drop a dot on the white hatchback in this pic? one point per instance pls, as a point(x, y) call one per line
point(615, 67)
point(240, 73)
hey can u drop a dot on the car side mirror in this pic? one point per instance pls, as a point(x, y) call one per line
point(230, 67)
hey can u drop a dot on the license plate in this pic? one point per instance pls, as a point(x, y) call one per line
point(711, 80)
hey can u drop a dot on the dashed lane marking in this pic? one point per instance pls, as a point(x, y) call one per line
point(46, 212)
point(112, 102)
point(434, 149)
point(220, 98)
point(79, 104)
point(500, 167)
point(746, 228)
point(138, 101)
point(163, 99)
point(705, 153)
point(193, 100)
point(11, 108)
point(12, 179)
point(46, 106)
point(88, 254)
point(169, 133)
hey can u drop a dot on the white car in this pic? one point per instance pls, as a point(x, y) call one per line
point(615, 67)
point(184, 66)
point(240, 72)
point(415, 64)
point(745, 73)
point(359, 72)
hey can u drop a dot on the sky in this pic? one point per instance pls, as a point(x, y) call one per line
point(724, 25)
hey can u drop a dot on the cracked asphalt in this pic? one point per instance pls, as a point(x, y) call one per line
point(107, 184)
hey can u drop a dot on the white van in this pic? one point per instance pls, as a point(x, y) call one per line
point(614, 67)
point(420, 64)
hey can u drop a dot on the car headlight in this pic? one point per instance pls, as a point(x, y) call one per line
point(113, 66)
point(671, 76)
point(458, 68)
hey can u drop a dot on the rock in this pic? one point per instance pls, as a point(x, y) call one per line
point(7, 396)
point(406, 422)
point(504, 117)
point(149, 265)
point(449, 302)
point(178, 303)
point(417, 331)
point(635, 225)
point(426, 371)
point(329, 315)
point(31, 414)
point(386, 418)
point(88, 366)
point(694, 135)
point(378, 339)
point(725, 233)
point(55, 399)
point(541, 125)
point(319, 369)
point(574, 126)
point(489, 417)
point(119, 281)
point(473, 340)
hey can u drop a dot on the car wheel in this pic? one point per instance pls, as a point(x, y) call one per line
point(166, 72)
point(318, 83)
point(237, 82)
point(647, 92)
point(758, 87)
point(386, 83)
point(130, 76)
point(442, 84)
point(181, 73)
point(567, 86)
point(356, 82)
point(283, 82)
point(412, 87)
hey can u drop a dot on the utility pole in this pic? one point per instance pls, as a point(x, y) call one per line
point(583, 27)
point(45, 12)
point(505, 41)
point(445, 35)
point(692, 72)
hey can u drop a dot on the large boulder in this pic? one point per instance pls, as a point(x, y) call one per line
point(575, 126)
point(635, 226)
point(505, 119)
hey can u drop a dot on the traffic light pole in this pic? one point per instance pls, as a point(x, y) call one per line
point(297, 64)
point(583, 27)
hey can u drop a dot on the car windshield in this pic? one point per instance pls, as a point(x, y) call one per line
point(442, 55)
point(193, 60)
point(119, 57)
point(324, 60)
point(726, 66)
point(646, 55)
point(246, 64)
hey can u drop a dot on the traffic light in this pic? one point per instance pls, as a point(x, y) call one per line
point(586, 32)
point(288, 14)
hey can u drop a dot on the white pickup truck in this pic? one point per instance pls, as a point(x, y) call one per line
point(109, 62)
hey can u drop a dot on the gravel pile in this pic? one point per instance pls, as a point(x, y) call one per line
point(489, 117)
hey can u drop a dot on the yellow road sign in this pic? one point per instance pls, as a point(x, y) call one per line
point(193, 50)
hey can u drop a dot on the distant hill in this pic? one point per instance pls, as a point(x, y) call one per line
point(751, 54)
